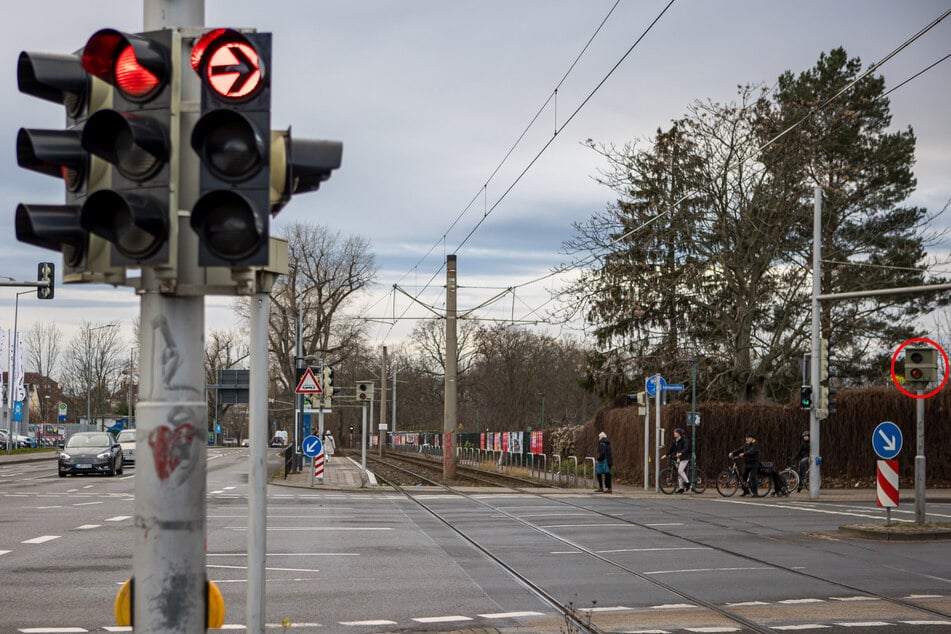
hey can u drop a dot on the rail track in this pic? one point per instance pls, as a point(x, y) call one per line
point(402, 469)
point(578, 619)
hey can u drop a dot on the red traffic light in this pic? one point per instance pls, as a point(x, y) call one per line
point(136, 66)
point(229, 64)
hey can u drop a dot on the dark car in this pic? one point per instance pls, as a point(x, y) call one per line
point(90, 452)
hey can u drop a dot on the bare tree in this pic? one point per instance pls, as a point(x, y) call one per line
point(92, 367)
point(42, 351)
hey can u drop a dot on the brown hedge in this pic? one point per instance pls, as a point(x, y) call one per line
point(845, 438)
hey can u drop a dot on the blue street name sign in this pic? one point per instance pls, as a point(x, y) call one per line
point(653, 383)
point(674, 387)
point(886, 440)
point(311, 447)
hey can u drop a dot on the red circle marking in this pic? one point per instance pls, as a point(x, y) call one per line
point(944, 355)
point(233, 70)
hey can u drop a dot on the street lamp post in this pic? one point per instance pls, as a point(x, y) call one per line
point(89, 370)
point(542, 422)
point(11, 379)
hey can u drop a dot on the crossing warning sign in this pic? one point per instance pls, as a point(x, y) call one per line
point(308, 383)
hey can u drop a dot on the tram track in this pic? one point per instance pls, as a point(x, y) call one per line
point(583, 622)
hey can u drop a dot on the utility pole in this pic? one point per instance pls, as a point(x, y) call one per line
point(449, 409)
point(383, 426)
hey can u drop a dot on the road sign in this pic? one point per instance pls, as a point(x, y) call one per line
point(17, 411)
point(673, 387)
point(886, 440)
point(653, 383)
point(308, 383)
point(311, 447)
point(887, 483)
point(62, 412)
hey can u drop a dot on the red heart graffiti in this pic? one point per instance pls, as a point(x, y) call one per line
point(170, 447)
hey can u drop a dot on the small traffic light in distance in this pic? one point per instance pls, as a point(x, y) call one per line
point(232, 140)
point(823, 359)
point(805, 397)
point(59, 153)
point(328, 386)
point(921, 365)
point(45, 272)
point(135, 138)
point(299, 165)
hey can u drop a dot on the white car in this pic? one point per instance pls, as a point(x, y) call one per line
point(126, 439)
point(246, 442)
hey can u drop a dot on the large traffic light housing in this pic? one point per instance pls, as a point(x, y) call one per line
point(921, 365)
point(61, 79)
point(328, 387)
point(823, 359)
point(137, 213)
point(232, 139)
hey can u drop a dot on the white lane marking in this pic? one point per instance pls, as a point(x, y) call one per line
point(744, 604)
point(712, 629)
point(616, 608)
point(286, 554)
point(867, 515)
point(803, 626)
point(268, 568)
point(45, 508)
point(672, 606)
point(42, 539)
point(864, 624)
point(118, 628)
point(52, 630)
point(87, 503)
point(4, 552)
point(510, 615)
point(666, 572)
point(628, 550)
point(86, 527)
point(844, 599)
point(441, 619)
point(666, 524)
point(118, 518)
point(924, 596)
point(314, 528)
point(799, 601)
point(926, 622)
point(368, 623)
point(616, 525)
point(230, 488)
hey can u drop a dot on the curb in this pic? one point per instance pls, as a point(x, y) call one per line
point(884, 533)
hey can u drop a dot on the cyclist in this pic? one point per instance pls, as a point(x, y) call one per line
point(750, 454)
point(801, 459)
point(680, 450)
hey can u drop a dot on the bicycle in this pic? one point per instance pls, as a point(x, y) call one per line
point(791, 476)
point(670, 482)
point(731, 479)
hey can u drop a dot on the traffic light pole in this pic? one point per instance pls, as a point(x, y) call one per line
point(449, 410)
point(814, 453)
point(920, 458)
point(169, 595)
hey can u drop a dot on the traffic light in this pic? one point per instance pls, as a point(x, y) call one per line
point(61, 79)
point(138, 213)
point(805, 397)
point(364, 391)
point(328, 386)
point(232, 138)
point(45, 272)
point(823, 359)
point(921, 365)
point(299, 166)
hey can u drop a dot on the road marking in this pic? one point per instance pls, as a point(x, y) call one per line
point(86, 527)
point(799, 601)
point(42, 539)
point(4, 552)
point(745, 604)
point(119, 518)
point(52, 630)
point(672, 606)
point(368, 623)
point(616, 608)
point(87, 503)
point(118, 628)
point(854, 599)
point(667, 524)
point(712, 629)
point(667, 572)
point(803, 626)
point(864, 624)
point(441, 619)
point(926, 622)
point(315, 528)
point(510, 615)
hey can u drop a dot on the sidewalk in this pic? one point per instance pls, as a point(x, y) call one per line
point(341, 473)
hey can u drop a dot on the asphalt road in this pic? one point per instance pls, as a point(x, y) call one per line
point(359, 561)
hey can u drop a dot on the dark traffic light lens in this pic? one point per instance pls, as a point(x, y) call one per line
point(227, 225)
point(229, 145)
point(917, 357)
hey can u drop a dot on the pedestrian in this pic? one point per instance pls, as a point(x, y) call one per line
point(680, 452)
point(801, 459)
point(750, 454)
point(604, 463)
point(329, 446)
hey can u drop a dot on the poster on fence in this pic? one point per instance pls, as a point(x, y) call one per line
point(515, 442)
point(537, 442)
point(482, 441)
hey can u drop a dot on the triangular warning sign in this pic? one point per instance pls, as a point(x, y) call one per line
point(308, 384)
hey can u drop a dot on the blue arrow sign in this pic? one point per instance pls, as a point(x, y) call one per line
point(886, 440)
point(673, 387)
point(653, 383)
point(312, 447)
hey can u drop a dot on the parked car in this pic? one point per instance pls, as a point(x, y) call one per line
point(246, 442)
point(126, 440)
point(91, 452)
point(21, 441)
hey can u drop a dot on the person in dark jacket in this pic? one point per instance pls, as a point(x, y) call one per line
point(604, 463)
point(750, 454)
point(680, 452)
point(801, 459)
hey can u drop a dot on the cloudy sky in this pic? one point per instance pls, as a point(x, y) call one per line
point(429, 96)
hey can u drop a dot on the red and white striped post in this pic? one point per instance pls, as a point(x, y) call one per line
point(887, 486)
point(319, 466)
